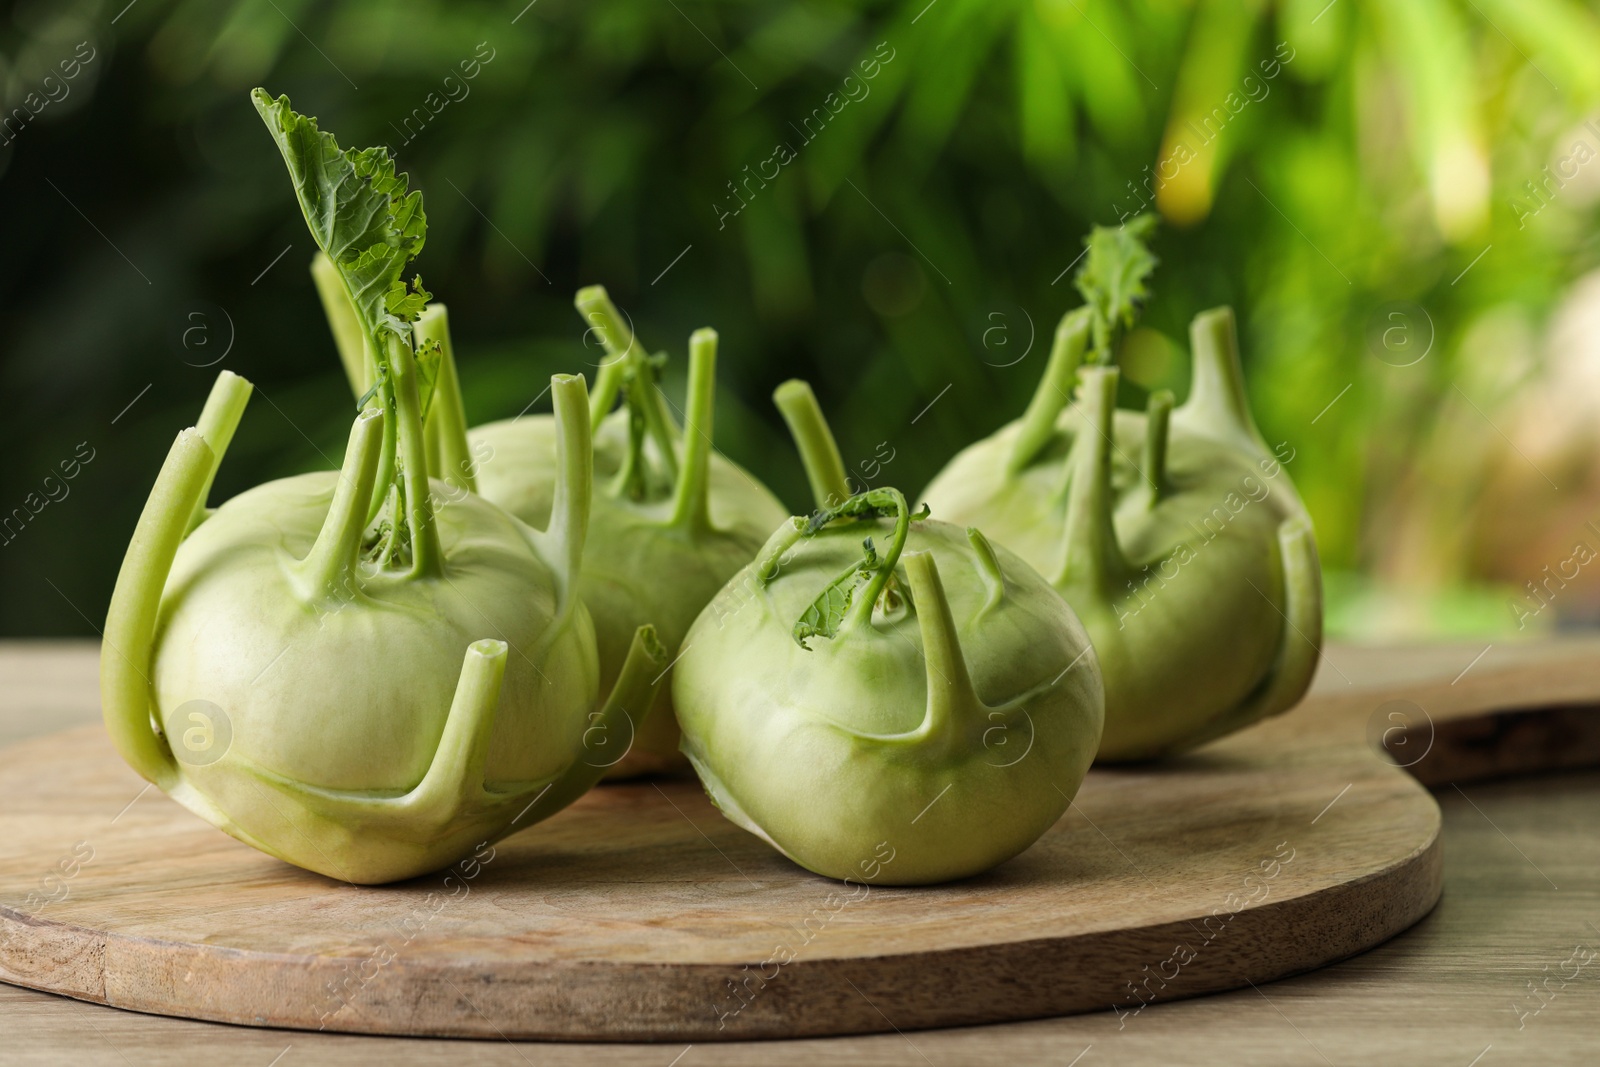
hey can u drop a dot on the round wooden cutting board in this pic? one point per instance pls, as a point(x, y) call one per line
point(641, 914)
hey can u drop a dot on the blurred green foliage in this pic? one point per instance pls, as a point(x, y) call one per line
point(884, 199)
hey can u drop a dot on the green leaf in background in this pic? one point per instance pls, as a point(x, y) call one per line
point(1391, 166)
point(1112, 279)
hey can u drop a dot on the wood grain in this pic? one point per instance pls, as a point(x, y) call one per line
point(640, 914)
point(1441, 993)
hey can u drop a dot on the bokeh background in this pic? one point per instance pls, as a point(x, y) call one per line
point(1398, 196)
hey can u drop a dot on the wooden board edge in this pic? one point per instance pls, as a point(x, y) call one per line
point(594, 1003)
point(1502, 744)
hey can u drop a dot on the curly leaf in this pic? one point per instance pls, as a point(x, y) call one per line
point(828, 612)
point(882, 503)
point(358, 210)
point(1112, 279)
point(405, 303)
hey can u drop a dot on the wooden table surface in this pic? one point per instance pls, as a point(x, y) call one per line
point(1521, 909)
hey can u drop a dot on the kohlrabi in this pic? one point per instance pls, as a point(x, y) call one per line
point(361, 672)
point(672, 521)
point(1175, 533)
point(886, 717)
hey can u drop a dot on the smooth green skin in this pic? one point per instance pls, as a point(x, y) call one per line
point(1200, 629)
point(656, 561)
point(377, 734)
point(639, 566)
point(383, 661)
point(845, 758)
point(318, 622)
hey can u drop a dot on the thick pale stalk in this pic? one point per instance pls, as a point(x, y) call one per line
point(125, 691)
point(1301, 644)
point(633, 695)
point(952, 703)
point(1217, 399)
point(771, 559)
point(328, 571)
point(426, 557)
point(218, 420)
point(446, 424)
point(569, 512)
point(1055, 388)
point(388, 454)
point(455, 777)
point(605, 321)
point(624, 352)
point(348, 335)
point(1091, 558)
point(819, 452)
point(1158, 419)
point(994, 580)
point(691, 508)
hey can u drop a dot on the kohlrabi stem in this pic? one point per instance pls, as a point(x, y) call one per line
point(342, 320)
point(218, 419)
point(950, 694)
point(1217, 398)
point(658, 420)
point(1301, 642)
point(328, 571)
point(819, 452)
point(771, 558)
point(569, 512)
point(446, 424)
point(1055, 388)
point(1158, 419)
point(455, 777)
point(125, 660)
point(994, 580)
point(391, 521)
point(625, 354)
point(691, 508)
point(633, 695)
point(861, 607)
point(381, 399)
point(1302, 590)
point(1092, 561)
point(426, 558)
point(594, 304)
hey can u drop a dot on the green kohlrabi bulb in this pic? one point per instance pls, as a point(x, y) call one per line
point(365, 672)
point(1175, 533)
point(898, 719)
point(366, 701)
point(672, 521)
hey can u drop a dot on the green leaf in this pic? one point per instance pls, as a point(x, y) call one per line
point(1112, 279)
point(406, 304)
point(828, 612)
point(359, 212)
